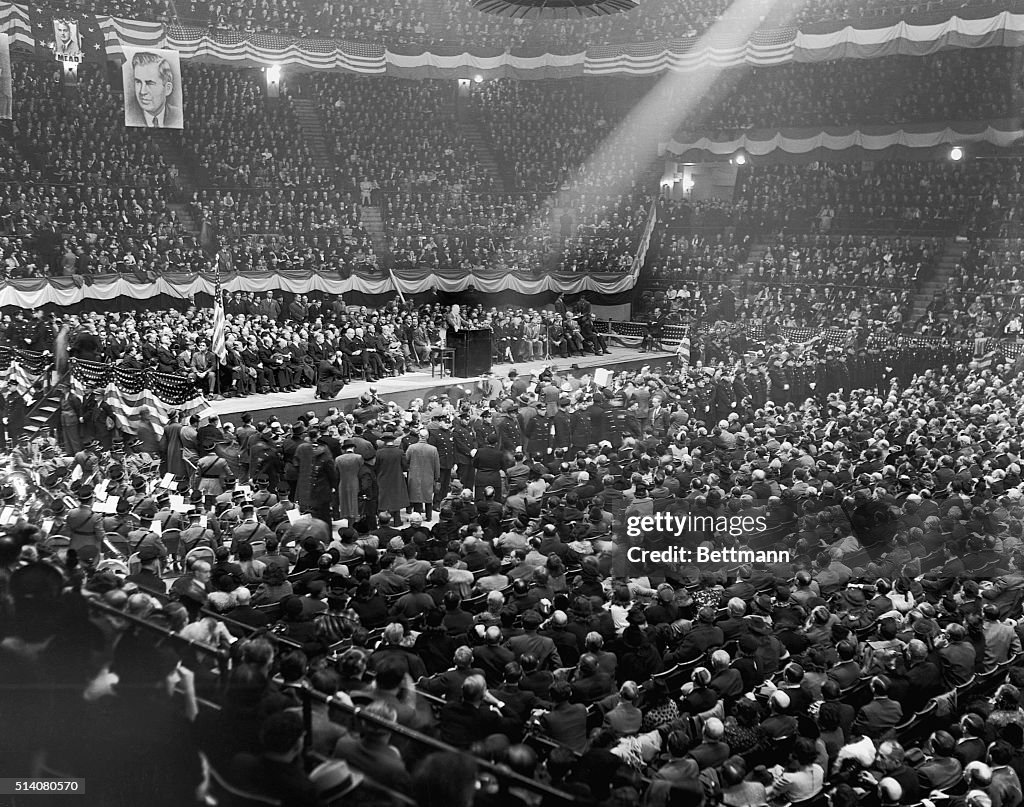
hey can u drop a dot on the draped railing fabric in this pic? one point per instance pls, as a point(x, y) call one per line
point(129, 393)
point(24, 367)
point(689, 147)
point(919, 33)
point(36, 292)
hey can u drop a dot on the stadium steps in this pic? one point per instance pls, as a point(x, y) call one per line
point(308, 116)
point(474, 133)
point(373, 223)
point(185, 217)
point(758, 250)
point(43, 413)
point(944, 270)
point(171, 144)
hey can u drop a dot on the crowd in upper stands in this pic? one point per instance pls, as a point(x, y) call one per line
point(74, 200)
point(906, 196)
point(862, 92)
point(414, 23)
point(543, 131)
point(240, 137)
point(983, 296)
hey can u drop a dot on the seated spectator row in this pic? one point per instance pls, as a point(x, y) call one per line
point(451, 23)
point(80, 140)
point(983, 297)
point(241, 138)
point(930, 195)
point(397, 135)
point(292, 212)
point(543, 131)
point(74, 200)
point(854, 261)
point(947, 86)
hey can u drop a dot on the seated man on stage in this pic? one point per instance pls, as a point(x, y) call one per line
point(394, 356)
point(420, 342)
point(284, 372)
point(592, 340)
point(353, 350)
point(534, 341)
point(371, 354)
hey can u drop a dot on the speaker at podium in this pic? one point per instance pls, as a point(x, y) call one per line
point(472, 351)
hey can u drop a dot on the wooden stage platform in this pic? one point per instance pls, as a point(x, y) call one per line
point(287, 406)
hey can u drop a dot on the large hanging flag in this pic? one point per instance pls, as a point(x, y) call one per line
point(152, 89)
point(69, 37)
point(6, 85)
point(218, 342)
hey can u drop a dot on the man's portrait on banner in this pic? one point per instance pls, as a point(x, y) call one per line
point(67, 42)
point(152, 89)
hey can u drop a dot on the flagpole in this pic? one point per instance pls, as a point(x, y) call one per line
point(218, 343)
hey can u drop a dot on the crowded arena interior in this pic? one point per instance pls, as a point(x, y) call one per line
point(508, 403)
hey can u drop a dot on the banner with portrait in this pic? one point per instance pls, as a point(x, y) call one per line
point(6, 89)
point(67, 41)
point(152, 89)
point(71, 40)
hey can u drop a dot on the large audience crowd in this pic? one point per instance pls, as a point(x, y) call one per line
point(456, 570)
point(72, 199)
point(83, 208)
point(239, 136)
point(543, 131)
point(982, 298)
point(414, 23)
point(863, 92)
point(923, 196)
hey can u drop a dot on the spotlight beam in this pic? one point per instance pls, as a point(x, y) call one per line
point(663, 110)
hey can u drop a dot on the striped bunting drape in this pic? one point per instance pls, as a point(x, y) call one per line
point(918, 33)
point(127, 391)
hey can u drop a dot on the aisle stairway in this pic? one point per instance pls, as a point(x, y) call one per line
point(758, 249)
point(43, 412)
point(185, 218)
point(308, 116)
point(373, 223)
point(473, 130)
point(944, 270)
point(172, 148)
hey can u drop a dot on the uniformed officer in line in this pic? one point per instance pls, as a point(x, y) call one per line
point(465, 442)
point(441, 438)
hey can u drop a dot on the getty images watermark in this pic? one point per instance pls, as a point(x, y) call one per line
point(674, 528)
point(677, 537)
point(686, 534)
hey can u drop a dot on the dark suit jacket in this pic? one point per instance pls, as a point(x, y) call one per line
point(878, 716)
point(567, 725)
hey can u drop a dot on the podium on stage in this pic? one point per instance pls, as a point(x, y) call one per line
point(472, 351)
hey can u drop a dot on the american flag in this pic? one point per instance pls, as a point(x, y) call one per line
point(117, 33)
point(128, 391)
point(218, 342)
point(271, 49)
point(15, 22)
